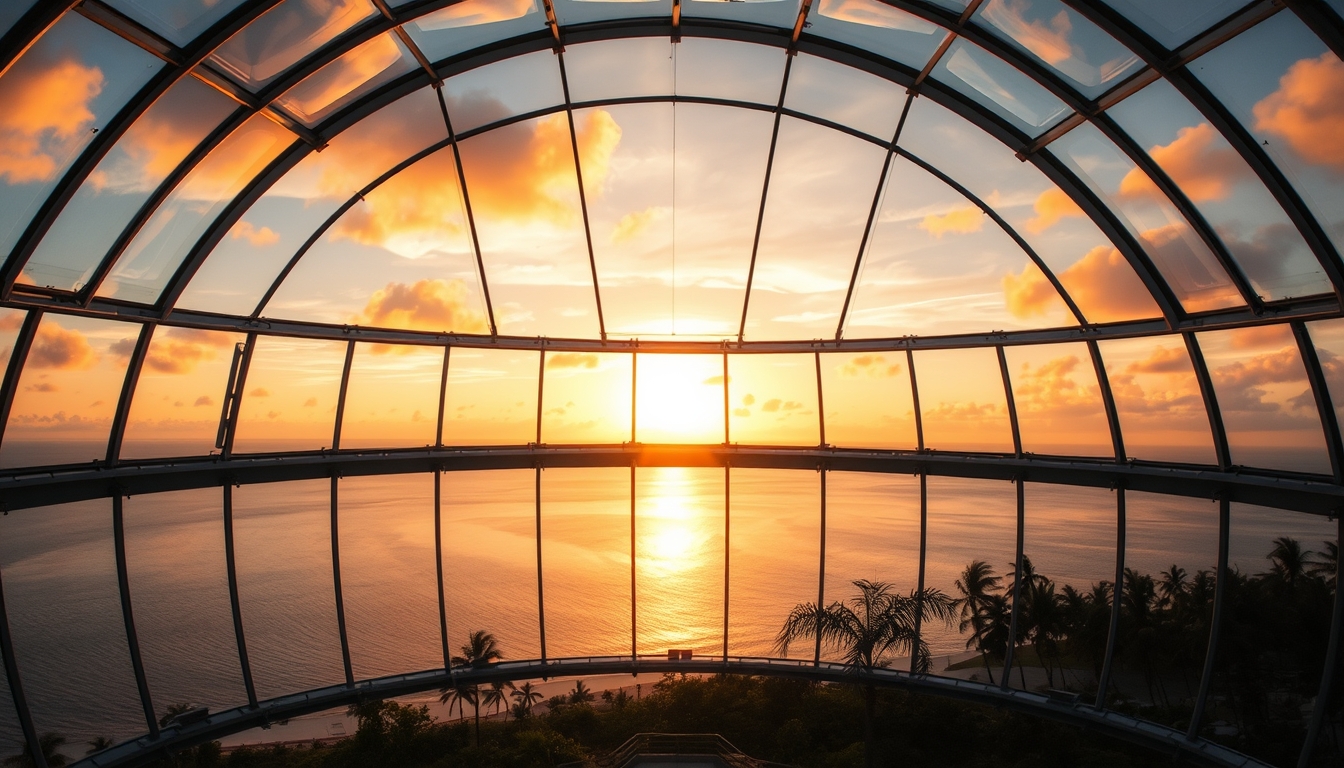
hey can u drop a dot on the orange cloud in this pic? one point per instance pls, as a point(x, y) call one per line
point(470, 13)
point(411, 214)
point(426, 305)
point(342, 76)
point(1102, 284)
point(1029, 294)
point(963, 411)
point(46, 112)
point(1162, 360)
point(1200, 163)
point(958, 221)
point(259, 238)
point(155, 148)
point(1048, 41)
point(259, 392)
point(1051, 206)
point(873, 365)
point(204, 400)
point(874, 14)
point(1239, 384)
point(632, 224)
point(1277, 335)
point(1053, 388)
point(571, 360)
point(236, 160)
point(60, 348)
point(1307, 110)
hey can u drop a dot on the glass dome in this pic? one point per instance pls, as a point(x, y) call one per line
point(364, 255)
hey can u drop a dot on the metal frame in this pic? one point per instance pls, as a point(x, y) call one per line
point(1117, 589)
point(128, 616)
point(1216, 623)
point(231, 568)
point(1006, 676)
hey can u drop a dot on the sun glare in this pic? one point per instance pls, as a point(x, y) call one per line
point(679, 399)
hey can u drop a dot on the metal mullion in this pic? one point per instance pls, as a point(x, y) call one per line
point(727, 548)
point(821, 404)
point(634, 594)
point(1324, 402)
point(634, 396)
point(821, 567)
point(914, 397)
point(236, 396)
point(583, 196)
point(228, 216)
point(23, 342)
point(1107, 400)
point(1011, 401)
point(1182, 203)
point(1219, 431)
point(1215, 625)
point(28, 28)
point(443, 396)
point(151, 204)
point(1117, 588)
point(118, 432)
point(336, 215)
point(128, 617)
point(130, 30)
point(872, 216)
point(336, 579)
point(727, 404)
point(1017, 587)
point(923, 556)
point(438, 570)
point(541, 390)
point(1008, 229)
point(765, 193)
point(541, 596)
point(1323, 21)
point(466, 205)
point(231, 567)
point(25, 715)
point(340, 397)
point(1330, 673)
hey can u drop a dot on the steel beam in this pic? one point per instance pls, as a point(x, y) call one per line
point(1220, 444)
point(336, 579)
point(128, 616)
point(583, 195)
point(1107, 400)
point(31, 743)
point(1216, 623)
point(235, 605)
point(1007, 674)
point(122, 414)
point(765, 194)
point(438, 569)
point(1117, 589)
point(1325, 407)
point(821, 568)
point(1330, 674)
point(923, 559)
point(1011, 401)
point(914, 396)
point(541, 594)
point(23, 342)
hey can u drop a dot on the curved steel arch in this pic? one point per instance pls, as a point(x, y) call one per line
point(1064, 710)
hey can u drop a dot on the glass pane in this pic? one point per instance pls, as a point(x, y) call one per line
point(679, 399)
point(586, 398)
point(719, 172)
point(64, 88)
point(290, 398)
point(970, 521)
point(875, 26)
point(821, 192)
point(282, 539)
point(1328, 338)
point(514, 86)
point(1273, 78)
point(936, 263)
point(994, 84)
point(724, 69)
point(1063, 40)
point(124, 179)
point(149, 261)
point(241, 268)
point(400, 258)
point(844, 95)
point(774, 400)
point(633, 222)
point(67, 392)
point(1162, 415)
point(473, 23)
point(1058, 401)
point(65, 620)
point(393, 396)
point(1095, 274)
point(176, 406)
point(962, 400)
point(637, 66)
point(868, 401)
point(525, 199)
point(492, 397)
point(1173, 24)
point(282, 36)
point(1265, 400)
point(569, 12)
point(775, 13)
point(387, 548)
point(10, 14)
point(179, 583)
point(10, 322)
point(489, 559)
point(1256, 231)
point(345, 79)
point(1191, 270)
point(179, 21)
point(585, 552)
point(679, 559)
point(872, 533)
point(774, 556)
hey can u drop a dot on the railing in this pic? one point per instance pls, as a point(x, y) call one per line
point(663, 744)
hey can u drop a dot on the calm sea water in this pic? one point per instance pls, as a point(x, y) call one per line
point(59, 574)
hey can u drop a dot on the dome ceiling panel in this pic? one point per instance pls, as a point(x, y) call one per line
point(936, 260)
point(822, 184)
point(1162, 413)
point(1174, 24)
point(963, 406)
point(586, 398)
point(491, 397)
point(773, 400)
point(1059, 405)
point(507, 88)
point(995, 85)
point(285, 35)
point(473, 23)
point(355, 73)
point(393, 396)
point(613, 69)
point(180, 21)
point(781, 14)
point(868, 400)
point(877, 26)
point(724, 69)
point(570, 12)
point(289, 404)
point(844, 95)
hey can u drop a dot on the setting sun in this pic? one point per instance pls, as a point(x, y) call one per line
point(679, 399)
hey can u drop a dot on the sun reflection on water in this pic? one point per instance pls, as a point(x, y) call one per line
point(679, 560)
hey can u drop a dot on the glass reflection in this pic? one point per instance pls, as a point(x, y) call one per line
point(1173, 24)
point(1162, 414)
point(993, 83)
point(1058, 400)
point(178, 20)
point(473, 23)
point(175, 409)
point(281, 37)
point(354, 74)
point(963, 402)
point(874, 25)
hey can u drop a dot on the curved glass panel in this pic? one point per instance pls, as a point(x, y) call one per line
point(491, 397)
point(283, 36)
point(868, 400)
point(724, 69)
point(473, 23)
point(1173, 24)
point(289, 399)
point(586, 398)
point(992, 83)
point(638, 66)
point(175, 410)
point(1162, 414)
point(1058, 400)
point(679, 399)
point(392, 399)
point(773, 399)
point(503, 89)
point(775, 13)
point(323, 93)
point(963, 404)
point(181, 21)
point(844, 95)
point(875, 25)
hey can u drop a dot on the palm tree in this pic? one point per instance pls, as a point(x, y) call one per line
point(173, 711)
point(526, 697)
point(1327, 567)
point(480, 650)
point(458, 696)
point(494, 696)
point(976, 585)
point(872, 624)
point(1172, 586)
point(99, 743)
point(580, 694)
point(1289, 561)
point(50, 744)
